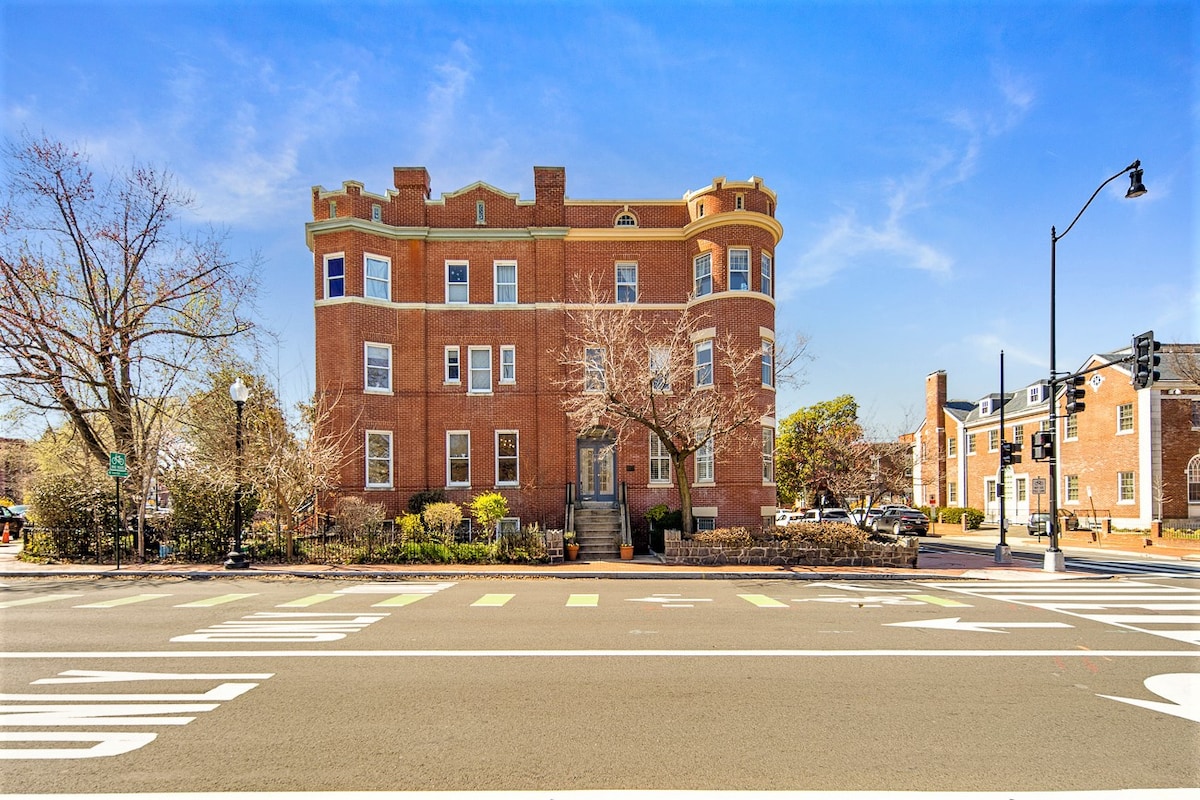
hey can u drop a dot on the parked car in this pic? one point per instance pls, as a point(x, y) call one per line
point(828, 515)
point(1038, 524)
point(901, 520)
point(14, 521)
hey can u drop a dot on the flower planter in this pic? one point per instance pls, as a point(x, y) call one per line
point(627, 552)
point(572, 552)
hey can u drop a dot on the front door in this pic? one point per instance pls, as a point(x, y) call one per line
point(597, 461)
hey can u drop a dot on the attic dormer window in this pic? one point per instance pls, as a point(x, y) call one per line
point(985, 407)
point(1037, 394)
point(626, 220)
point(739, 203)
point(480, 216)
point(376, 212)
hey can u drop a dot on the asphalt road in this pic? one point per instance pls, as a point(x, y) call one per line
point(170, 685)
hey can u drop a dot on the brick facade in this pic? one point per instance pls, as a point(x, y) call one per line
point(1125, 457)
point(405, 279)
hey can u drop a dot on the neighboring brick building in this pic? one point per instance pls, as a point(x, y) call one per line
point(1130, 455)
point(439, 323)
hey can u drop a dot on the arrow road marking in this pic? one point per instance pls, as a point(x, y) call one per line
point(956, 624)
point(670, 600)
point(1181, 690)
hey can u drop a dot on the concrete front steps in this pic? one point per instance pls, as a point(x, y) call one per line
point(597, 531)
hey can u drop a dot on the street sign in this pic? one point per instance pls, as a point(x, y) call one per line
point(117, 468)
point(1038, 486)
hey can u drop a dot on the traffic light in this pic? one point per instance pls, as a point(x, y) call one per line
point(1008, 454)
point(1075, 392)
point(1042, 444)
point(1145, 359)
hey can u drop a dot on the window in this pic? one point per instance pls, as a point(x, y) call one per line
point(627, 283)
point(479, 365)
point(626, 220)
point(377, 278)
point(456, 282)
point(1195, 414)
point(989, 489)
point(593, 369)
point(768, 455)
point(506, 458)
point(660, 462)
point(335, 276)
point(508, 364)
point(706, 523)
point(986, 407)
point(1037, 394)
point(1044, 425)
point(993, 441)
point(970, 444)
point(458, 458)
point(767, 282)
point(702, 272)
point(509, 526)
point(1124, 487)
point(700, 209)
point(376, 212)
point(332, 209)
point(739, 269)
point(1072, 426)
point(1125, 418)
point(768, 362)
point(704, 462)
point(378, 358)
point(1018, 436)
point(379, 459)
point(1072, 482)
point(506, 281)
point(1193, 479)
point(951, 447)
point(739, 202)
point(1022, 493)
point(951, 492)
point(480, 213)
point(453, 374)
point(660, 369)
point(704, 363)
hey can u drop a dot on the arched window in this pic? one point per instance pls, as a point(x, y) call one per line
point(1193, 479)
point(626, 220)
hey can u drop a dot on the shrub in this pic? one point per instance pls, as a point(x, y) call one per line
point(355, 517)
point(663, 518)
point(417, 501)
point(524, 547)
point(441, 520)
point(488, 509)
point(825, 533)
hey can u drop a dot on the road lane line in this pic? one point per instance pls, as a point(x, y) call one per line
point(124, 601)
point(583, 601)
point(492, 600)
point(801, 654)
point(216, 601)
point(939, 601)
point(311, 600)
point(28, 601)
point(399, 600)
point(762, 601)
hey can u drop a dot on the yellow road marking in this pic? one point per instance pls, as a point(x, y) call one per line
point(583, 601)
point(762, 601)
point(124, 601)
point(493, 600)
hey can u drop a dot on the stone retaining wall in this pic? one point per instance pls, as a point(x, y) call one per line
point(902, 553)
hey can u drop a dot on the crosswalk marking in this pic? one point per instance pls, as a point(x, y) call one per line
point(124, 601)
point(938, 601)
point(399, 600)
point(397, 587)
point(216, 601)
point(311, 600)
point(28, 601)
point(583, 601)
point(762, 601)
point(493, 600)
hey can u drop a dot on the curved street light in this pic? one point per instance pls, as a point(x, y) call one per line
point(1054, 561)
point(239, 393)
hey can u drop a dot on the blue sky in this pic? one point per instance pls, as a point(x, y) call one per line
point(920, 150)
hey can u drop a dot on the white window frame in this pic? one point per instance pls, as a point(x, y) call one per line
point(951, 492)
point(451, 458)
point(330, 279)
point(660, 370)
point(767, 274)
point(508, 364)
point(452, 361)
point(451, 288)
point(497, 285)
point(970, 444)
point(593, 369)
point(659, 468)
point(480, 213)
point(951, 447)
point(1192, 478)
point(387, 459)
point(993, 440)
point(703, 368)
point(1018, 436)
point(702, 281)
point(627, 291)
point(705, 463)
point(1022, 490)
point(1071, 487)
point(739, 202)
point(768, 363)
point(507, 525)
point(768, 455)
point(376, 212)
point(473, 370)
point(384, 293)
point(743, 271)
point(1071, 427)
point(626, 219)
point(1126, 480)
point(1124, 420)
point(515, 458)
point(386, 388)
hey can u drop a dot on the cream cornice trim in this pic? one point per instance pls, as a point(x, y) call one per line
point(394, 232)
point(490, 307)
point(694, 228)
point(704, 334)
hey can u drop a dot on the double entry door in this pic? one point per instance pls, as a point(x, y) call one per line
point(597, 469)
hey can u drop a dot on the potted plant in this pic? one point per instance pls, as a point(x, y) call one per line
point(571, 546)
point(626, 551)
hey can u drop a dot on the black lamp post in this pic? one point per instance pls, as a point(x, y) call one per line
point(1054, 556)
point(239, 393)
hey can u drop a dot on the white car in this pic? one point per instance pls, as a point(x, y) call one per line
point(786, 516)
point(827, 515)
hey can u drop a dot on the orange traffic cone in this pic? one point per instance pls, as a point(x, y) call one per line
point(4, 538)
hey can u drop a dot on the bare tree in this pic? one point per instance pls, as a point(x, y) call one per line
point(106, 304)
point(629, 368)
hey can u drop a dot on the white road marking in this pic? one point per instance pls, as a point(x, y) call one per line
point(952, 653)
point(397, 587)
point(1181, 690)
point(642, 794)
point(957, 624)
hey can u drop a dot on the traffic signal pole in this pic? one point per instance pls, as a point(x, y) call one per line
point(1003, 551)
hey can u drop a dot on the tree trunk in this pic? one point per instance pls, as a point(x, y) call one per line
point(685, 492)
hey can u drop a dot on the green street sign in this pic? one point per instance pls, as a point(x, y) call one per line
point(117, 468)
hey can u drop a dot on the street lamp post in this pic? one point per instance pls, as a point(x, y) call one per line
point(239, 393)
point(1054, 561)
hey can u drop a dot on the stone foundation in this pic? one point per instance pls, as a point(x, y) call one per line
point(902, 553)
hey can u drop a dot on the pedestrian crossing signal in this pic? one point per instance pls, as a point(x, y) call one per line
point(1042, 444)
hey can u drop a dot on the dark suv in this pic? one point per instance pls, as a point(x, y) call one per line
point(900, 521)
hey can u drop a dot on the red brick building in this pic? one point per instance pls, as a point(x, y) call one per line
point(440, 325)
point(1132, 456)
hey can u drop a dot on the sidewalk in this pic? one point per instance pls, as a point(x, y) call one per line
point(931, 566)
